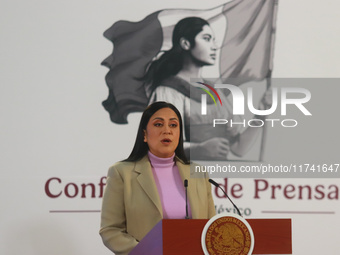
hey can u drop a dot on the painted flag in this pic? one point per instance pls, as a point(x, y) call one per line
point(244, 31)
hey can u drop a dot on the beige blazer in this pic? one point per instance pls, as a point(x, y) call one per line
point(131, 205)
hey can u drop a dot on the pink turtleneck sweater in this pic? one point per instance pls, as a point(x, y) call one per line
point(170, 187)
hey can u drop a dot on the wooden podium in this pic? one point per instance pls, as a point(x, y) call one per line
point(168, 237)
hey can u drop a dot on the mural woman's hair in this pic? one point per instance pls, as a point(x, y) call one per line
point(171, 62)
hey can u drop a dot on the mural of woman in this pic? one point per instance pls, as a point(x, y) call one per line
point(155, 58)
point(168, 79)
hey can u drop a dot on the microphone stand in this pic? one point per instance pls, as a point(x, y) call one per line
point(218, 186)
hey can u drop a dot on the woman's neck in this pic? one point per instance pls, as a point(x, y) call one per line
point(158, 162)
point(190, 70)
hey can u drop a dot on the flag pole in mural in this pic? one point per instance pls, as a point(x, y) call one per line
point(269, 76)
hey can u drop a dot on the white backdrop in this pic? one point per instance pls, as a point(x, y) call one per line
point(53, 124)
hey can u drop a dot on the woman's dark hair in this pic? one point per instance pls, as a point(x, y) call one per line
point(171, 62)
point(141, 148)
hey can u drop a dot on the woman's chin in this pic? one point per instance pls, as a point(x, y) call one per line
point(210, 62)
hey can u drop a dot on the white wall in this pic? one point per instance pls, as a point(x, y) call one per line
point(53, 124)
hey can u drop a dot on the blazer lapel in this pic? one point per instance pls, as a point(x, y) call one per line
point(184, 171)
point(147, 182)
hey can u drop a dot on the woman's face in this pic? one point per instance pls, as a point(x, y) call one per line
point(162, 133)
point(204, 50)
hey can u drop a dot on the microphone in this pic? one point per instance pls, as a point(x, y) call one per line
point(186, 198)
point(218, 186)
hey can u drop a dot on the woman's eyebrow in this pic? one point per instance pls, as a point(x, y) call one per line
point(160, 118)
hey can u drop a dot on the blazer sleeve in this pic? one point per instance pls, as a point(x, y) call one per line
point(204, 180)
point(113, 219)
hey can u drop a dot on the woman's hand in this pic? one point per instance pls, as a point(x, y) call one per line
point(267, 100)
point(216, 148)
point(265, 104)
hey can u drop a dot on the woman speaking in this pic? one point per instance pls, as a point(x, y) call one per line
point(148, 186)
